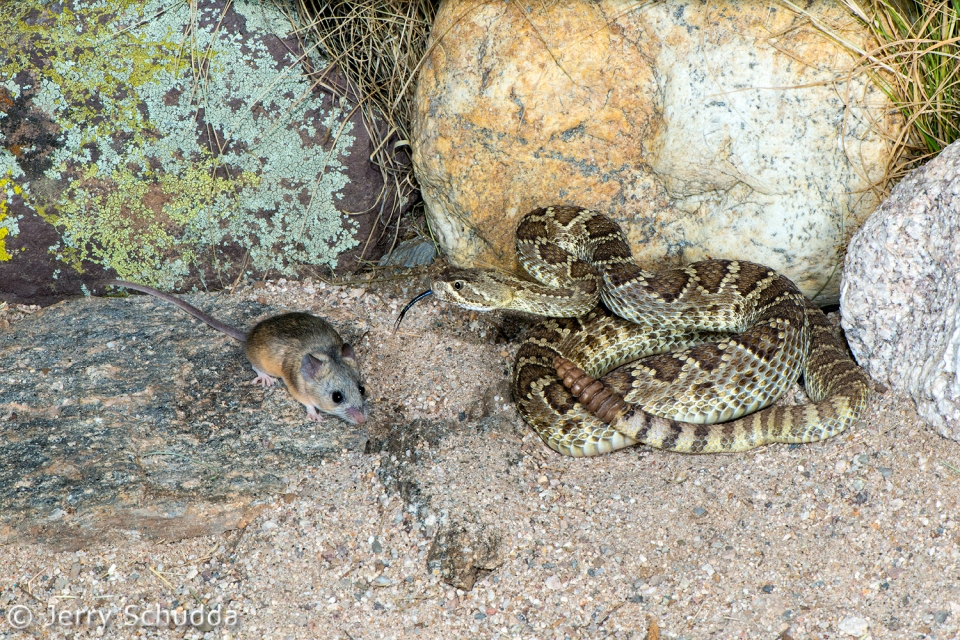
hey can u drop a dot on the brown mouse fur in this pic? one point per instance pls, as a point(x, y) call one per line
point(318, 367)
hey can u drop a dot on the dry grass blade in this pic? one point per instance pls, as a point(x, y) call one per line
point(917, 65)
point(374, 48)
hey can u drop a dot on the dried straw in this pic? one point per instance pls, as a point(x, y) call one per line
point(374, 49)
point(917, 65)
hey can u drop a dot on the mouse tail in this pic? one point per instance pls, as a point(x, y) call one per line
point(192, 310)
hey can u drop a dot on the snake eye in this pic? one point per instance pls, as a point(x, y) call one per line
point(363, 391)
point(458, 285)
point(337, 397)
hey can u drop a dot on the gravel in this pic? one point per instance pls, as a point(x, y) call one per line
point(855, 536)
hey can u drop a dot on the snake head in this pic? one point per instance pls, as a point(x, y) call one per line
point(475, 289)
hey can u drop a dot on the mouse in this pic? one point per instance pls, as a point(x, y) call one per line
point(318, 367)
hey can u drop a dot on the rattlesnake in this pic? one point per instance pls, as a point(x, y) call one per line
point(718, 339)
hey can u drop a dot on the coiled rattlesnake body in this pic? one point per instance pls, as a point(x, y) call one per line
point(717, 340)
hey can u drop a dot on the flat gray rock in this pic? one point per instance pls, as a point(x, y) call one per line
point(411, 253)
point(128, 417)
point(900, 298)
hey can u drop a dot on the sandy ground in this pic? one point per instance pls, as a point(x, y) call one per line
point(854, 537)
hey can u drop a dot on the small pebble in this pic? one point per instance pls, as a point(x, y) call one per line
point(853, 626)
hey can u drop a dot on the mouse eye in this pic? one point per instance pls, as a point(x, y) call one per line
point(458, 285)
point(337, 397)
point(363, 391)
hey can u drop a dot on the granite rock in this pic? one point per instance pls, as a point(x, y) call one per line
point(900, 300)
point(140, 421)
point(726, 130)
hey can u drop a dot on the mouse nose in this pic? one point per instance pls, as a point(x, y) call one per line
point(356, 415)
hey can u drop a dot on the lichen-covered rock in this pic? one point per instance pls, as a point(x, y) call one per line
point(138, 420)
point(900, 300)
point(172, 144)
point(728, 130)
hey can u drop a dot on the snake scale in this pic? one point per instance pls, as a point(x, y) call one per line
point(709, 345)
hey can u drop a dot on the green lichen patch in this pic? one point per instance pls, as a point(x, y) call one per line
point(9, 188)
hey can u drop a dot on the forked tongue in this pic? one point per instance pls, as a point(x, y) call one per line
point(403, 312)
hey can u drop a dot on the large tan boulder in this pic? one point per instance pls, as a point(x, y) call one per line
point(730, 130)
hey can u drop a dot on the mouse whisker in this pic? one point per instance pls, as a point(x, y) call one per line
point(403, 312)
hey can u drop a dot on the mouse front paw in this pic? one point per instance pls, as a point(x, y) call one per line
point(312, 414)
point(264, 380)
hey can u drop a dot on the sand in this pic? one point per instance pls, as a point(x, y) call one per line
point(853, 537)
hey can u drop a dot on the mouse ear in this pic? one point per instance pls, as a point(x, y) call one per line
point(312, 366)
point(347, 351)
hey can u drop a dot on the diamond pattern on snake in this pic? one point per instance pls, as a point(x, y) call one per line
point(687, 359)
